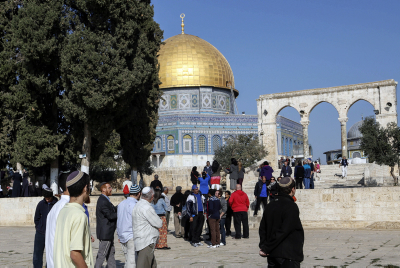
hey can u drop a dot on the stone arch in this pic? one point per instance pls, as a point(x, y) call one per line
point(285, 106)
point(357, 100)
point(322, 101)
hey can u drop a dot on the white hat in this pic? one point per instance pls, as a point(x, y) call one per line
point(146, 190)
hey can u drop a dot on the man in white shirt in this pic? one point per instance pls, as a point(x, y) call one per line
point(52, 219)
point(124, 225)
point(168, 203)
point(145, 229)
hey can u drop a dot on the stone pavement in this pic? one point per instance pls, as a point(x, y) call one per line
point(323, 248)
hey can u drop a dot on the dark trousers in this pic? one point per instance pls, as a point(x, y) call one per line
point(38, 249)
point(186, 226)
point(282, 263)
point(260, 200)
point(240, 181)
point(222, 230)
point(312, 181)
point(196, 227)
point(299, 183)
point(240, 218)
point(215, 231)
point(228, 223)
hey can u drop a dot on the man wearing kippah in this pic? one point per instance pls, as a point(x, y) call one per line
point(124, 225)
point(146, 223)
point(72, 243)
point(281, 231)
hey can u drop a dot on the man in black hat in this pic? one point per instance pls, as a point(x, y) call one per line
point(281, 231)
point(106, 219)
point(177, 201)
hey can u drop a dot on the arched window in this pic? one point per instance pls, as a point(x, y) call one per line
point(216, 142)
point(171, 144)
point(158, 144)
point(356, 154)
point(187, 144)
point(202, 144)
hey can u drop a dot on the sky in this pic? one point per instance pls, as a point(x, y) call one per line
point(281, 45)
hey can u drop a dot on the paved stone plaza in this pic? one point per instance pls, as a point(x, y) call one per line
point(323, 248)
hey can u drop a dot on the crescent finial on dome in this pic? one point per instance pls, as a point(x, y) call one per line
point(183, 25)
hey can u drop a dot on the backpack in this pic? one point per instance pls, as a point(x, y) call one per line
point(126, 189)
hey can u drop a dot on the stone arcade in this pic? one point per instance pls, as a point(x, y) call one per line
point(381, 95)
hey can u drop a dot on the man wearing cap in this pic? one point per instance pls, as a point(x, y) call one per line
point(106, 220)
point(177, 201)
point(51, 222)
point(195, 209)
point(124, 225)
point(72, 243)
point(42, 210)
point(281, 231)
point(156, 183)
point(145, 223)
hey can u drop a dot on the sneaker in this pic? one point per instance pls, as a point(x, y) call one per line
point(200, 244)
point(221, 244)
point(211, 246)
point(217, 246)
point(195, 245)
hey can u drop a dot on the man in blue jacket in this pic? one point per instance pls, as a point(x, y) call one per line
point(42, 210)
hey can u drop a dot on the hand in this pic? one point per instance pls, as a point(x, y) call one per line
point(178, 205)
point(256, 197)
point(92, 238)
point(179, 213)
point(191, 219)
point(263, 254)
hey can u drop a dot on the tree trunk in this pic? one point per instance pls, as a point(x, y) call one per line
point(394, 176)
point(86, 148)
point(134, 175)
point(141, 182)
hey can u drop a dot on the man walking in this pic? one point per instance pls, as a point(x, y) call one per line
point(281, 231)
point(261, 194)
point(106, 219)
point(125, 225)
point(51, 222)
point(266, 171)
point(286, 170)
point(311, 164)
point(177, 201)
point(195, 209)
point(156, 183)
point(72, 243)
point(240, 203)
point(168, 203)
point(42, 210)
point(344, 164)
point(145, 223)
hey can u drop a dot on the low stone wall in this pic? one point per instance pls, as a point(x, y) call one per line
point(367, 207)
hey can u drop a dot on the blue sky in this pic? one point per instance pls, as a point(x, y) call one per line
point(280, 46)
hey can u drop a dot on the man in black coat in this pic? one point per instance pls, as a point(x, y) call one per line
point(177, 201)
point(261, 194)
point(286, 170)
point(156, 183)
point(281, 232)
point(106, 219)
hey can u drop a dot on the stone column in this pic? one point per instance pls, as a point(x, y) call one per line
point(306, 148)
point(151, 159)
point(158, 160)
point(270, 143)
point(343, 121)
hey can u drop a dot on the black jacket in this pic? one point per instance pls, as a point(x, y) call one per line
point(281, 232)
point(258, 188)
point(106, 219)
point(286, 171)
point(42, 210)
point(177, 198)
point(156, 183)
point(299, 173)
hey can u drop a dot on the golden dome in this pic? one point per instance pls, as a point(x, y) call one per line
point(186, 60)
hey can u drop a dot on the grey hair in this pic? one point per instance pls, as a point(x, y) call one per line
point(165, 188)
point(148, 195)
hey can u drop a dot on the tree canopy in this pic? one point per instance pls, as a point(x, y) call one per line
point(380, 144)
point(246, 148)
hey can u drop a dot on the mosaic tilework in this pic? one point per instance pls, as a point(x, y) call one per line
point(184, 101)
point(164, 103)
point(206, 100)
point(195, 101)
point(174, 102)
point(214, 101)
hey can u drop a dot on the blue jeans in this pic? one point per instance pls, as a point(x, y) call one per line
point(312, 181)
point(307, 182)
point(222, 231)
point(38, 249)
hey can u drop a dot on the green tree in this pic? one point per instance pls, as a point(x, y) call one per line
point(106, 65)
point(381, 145)
point(246, 148)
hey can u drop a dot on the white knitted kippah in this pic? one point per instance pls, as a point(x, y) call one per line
point(146, 190)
